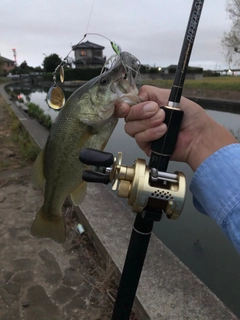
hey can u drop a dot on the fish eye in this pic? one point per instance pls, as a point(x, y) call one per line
point(104, 81)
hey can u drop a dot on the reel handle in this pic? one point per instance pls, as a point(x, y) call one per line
point(96, 158)
point(92, 176)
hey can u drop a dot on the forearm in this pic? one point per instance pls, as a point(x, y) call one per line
point(212, 138)
point(216, 190)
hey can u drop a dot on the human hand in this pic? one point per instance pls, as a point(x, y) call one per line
point(198, 138)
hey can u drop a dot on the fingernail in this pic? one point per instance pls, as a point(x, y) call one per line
point(149, 107)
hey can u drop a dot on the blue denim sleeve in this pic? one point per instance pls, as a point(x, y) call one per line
point(216, 190)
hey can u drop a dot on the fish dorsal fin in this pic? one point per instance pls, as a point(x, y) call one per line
point(38, 178)
point(79, 194)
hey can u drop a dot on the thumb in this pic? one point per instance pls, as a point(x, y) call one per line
point(150, 93)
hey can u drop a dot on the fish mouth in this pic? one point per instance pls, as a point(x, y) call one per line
point(121, 81)
point(126, 90)
point(123, 91)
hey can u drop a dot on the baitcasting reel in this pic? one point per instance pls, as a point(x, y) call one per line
point(138, 183)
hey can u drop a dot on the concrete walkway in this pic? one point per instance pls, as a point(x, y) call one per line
point(40, 278)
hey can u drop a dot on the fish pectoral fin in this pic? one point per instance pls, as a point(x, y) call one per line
point(46, 228)
point(37, 177)
point(79, 194)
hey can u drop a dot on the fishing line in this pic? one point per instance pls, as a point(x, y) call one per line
point(114, 45)
point(65, 59)
point(97, 34)
point(90, 16)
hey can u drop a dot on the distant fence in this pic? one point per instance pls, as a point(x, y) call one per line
point(169, 76)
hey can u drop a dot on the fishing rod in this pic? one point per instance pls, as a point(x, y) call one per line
point(150, 190)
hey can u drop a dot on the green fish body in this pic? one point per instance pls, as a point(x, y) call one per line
point(86, 121)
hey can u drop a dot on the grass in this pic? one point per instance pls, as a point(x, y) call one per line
point(4, 80)
point(17, 147)
point(4, 165)
point(211, 83)
point(37, 113)
point(28, 149)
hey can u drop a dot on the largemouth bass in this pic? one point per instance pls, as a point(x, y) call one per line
point(86, 121)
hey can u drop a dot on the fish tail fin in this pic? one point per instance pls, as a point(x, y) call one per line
point(45, 228)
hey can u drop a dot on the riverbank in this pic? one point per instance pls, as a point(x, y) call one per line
point(212, 94)
point(194, 93)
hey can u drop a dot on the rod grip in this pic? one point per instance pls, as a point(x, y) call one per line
point(163, 148)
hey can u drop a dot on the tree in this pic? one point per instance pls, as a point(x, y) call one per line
point(1, 65)
point(51, 62)
point(231, 39)
point(23, 68)
point(24, 65)
point(37, 69)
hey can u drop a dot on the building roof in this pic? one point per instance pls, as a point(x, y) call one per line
point(174, 66)
point(87, 45)
point(5, 59)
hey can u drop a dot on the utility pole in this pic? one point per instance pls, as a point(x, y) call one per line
point(15, 56)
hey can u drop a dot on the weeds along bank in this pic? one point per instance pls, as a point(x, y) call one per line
point(18, 136)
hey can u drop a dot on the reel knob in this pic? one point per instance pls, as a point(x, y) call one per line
point(100, 160)
point(92, 176)
point(97, 158)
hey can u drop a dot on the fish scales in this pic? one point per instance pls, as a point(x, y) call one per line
point(86, 121)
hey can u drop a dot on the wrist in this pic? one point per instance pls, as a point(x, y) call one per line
point(213, 138)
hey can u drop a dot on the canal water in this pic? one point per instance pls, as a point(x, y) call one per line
point(194, 238)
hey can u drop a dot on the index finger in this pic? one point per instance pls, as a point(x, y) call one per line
point(121, 110)
point(142, 110)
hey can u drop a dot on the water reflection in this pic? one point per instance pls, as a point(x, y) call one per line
point(194, 238)
point(230, 121)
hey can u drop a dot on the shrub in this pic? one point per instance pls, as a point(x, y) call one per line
point(84, 74)
point(37, 113)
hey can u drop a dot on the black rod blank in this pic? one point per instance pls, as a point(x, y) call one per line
point(176, 91)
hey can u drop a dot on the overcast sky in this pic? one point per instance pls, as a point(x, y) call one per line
point(152, 30)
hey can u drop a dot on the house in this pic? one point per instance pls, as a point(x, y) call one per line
point(192, 72)
point(6, 65)
point(88, 54)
